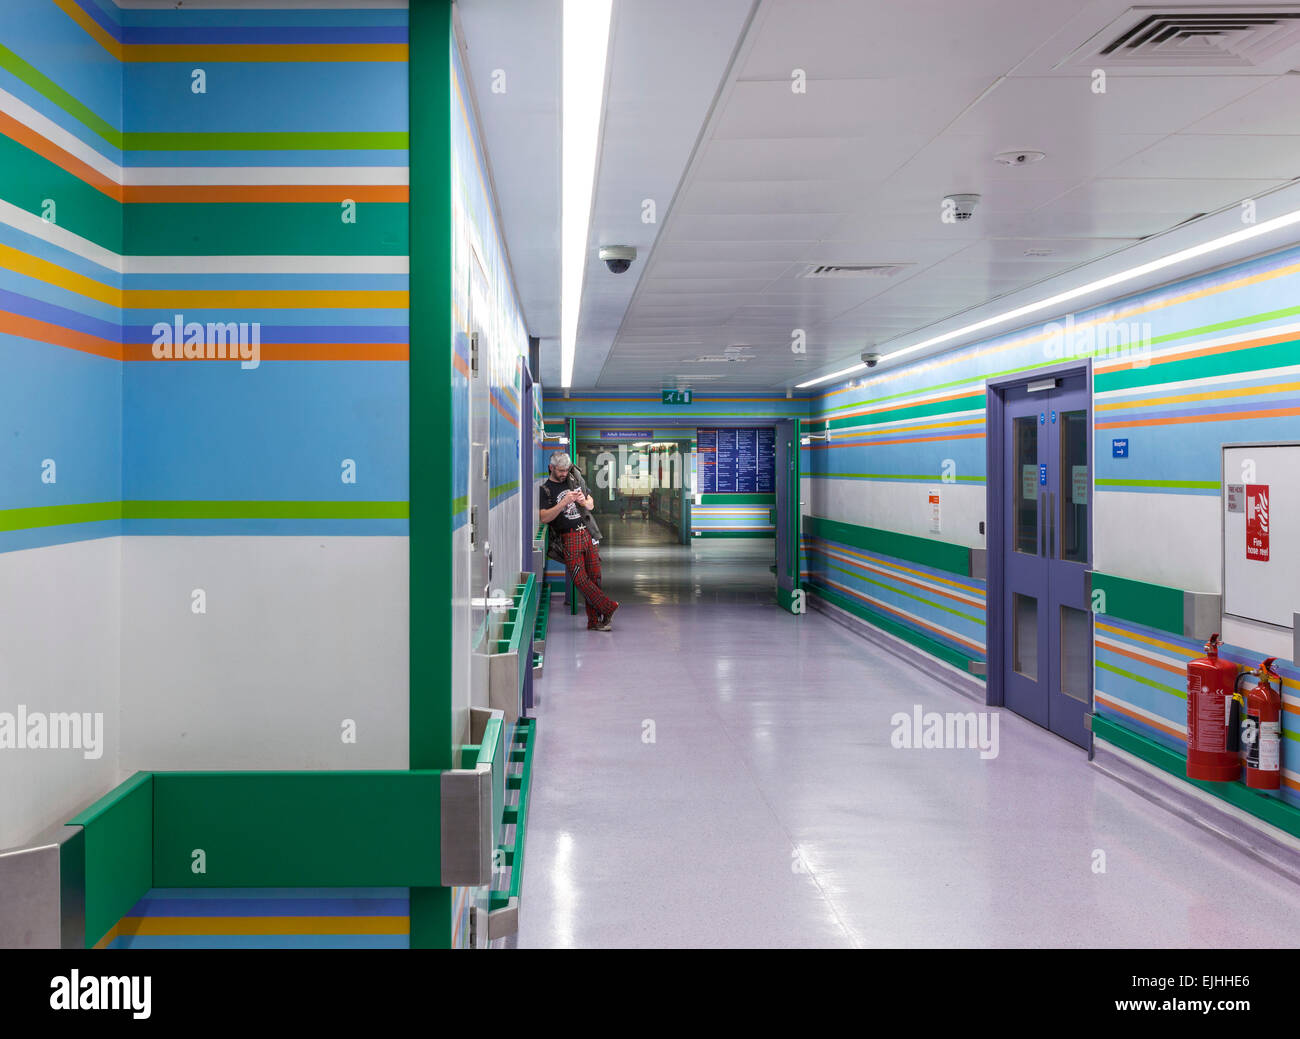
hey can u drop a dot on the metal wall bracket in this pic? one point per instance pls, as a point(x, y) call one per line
point(979, 564)
point(466, 826)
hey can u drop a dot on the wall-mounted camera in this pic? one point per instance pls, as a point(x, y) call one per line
point(618, 258)
point(870, 358)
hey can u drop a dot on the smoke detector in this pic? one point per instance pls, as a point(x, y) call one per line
point(1022, 157)
point(961, 206)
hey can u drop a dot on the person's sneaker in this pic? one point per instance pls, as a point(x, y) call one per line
point(596, 625)
point(606, 618)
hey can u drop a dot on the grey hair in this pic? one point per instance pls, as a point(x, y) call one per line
point(561, 459)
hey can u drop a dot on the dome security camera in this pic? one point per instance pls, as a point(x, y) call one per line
point(870, 358)
point(618, 258)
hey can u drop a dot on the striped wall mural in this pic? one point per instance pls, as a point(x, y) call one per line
point(732, 516)
point(223, 262)
point(265, 918)
point(1178, 371)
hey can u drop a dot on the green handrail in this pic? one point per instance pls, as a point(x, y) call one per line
point(521, 752)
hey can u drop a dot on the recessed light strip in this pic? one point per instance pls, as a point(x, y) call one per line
point(586, 43)
point(1191, 253)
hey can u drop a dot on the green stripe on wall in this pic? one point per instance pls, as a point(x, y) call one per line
point(1149, 683)
point(58, 515)
point(266, 229)
point(879, 620)
point(28, 179)
point(1232, 362)
point(1210, 485)
point(51, 91)
point(98, 512)
point(1152, 605)
point(733, 534)
point(927, 551)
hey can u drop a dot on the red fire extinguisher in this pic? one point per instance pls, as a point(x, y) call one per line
point(1212, 726)
point(1261, 728)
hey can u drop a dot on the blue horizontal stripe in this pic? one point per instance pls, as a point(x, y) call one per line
point(158, 893)
point(334, 158)
point(53, 314)
point(266, 527)
point(267, 34)
point(341, 907)
point(264, 941)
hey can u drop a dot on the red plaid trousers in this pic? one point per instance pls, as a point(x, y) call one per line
point(582, 561)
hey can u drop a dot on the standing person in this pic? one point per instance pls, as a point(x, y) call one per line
point(561, 500)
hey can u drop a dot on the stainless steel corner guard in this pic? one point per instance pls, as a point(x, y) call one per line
point(466, 826)
point(1202, 614)
point(979, 564)
point(42, 897)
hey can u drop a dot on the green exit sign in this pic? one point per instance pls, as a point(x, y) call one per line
point(677, 396)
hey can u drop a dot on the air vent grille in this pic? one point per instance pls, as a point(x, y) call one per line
point(853, 270)
point(1203, 37)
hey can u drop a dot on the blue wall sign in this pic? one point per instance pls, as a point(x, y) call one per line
point(1042, 475)
point(1119, 448)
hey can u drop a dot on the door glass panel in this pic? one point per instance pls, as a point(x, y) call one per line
point(1026, 639)
point(1074, 486)
point(1076, 654)
point(1024, 480)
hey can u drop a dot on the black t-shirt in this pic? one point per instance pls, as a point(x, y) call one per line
point(548, 494)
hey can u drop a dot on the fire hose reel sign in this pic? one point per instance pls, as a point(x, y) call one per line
point(1257, 522)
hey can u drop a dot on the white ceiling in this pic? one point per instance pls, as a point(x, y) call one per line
point(905, 102)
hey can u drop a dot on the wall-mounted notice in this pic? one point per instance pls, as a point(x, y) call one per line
point(934, 510)
point(1079, 485)
point(1257, 522)
point(736, 460)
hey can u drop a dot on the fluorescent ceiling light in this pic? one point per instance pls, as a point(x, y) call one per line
point(586, 42)
point(1191, 253)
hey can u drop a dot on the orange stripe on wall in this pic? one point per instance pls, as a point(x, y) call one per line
point(1214, 416)
point(200, 193)
point(65, 160)
point(57, 335)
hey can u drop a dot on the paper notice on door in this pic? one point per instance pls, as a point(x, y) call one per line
point(1079, 484)
point(1028, 482)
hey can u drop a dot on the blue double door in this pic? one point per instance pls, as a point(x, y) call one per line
point(1047, 549)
